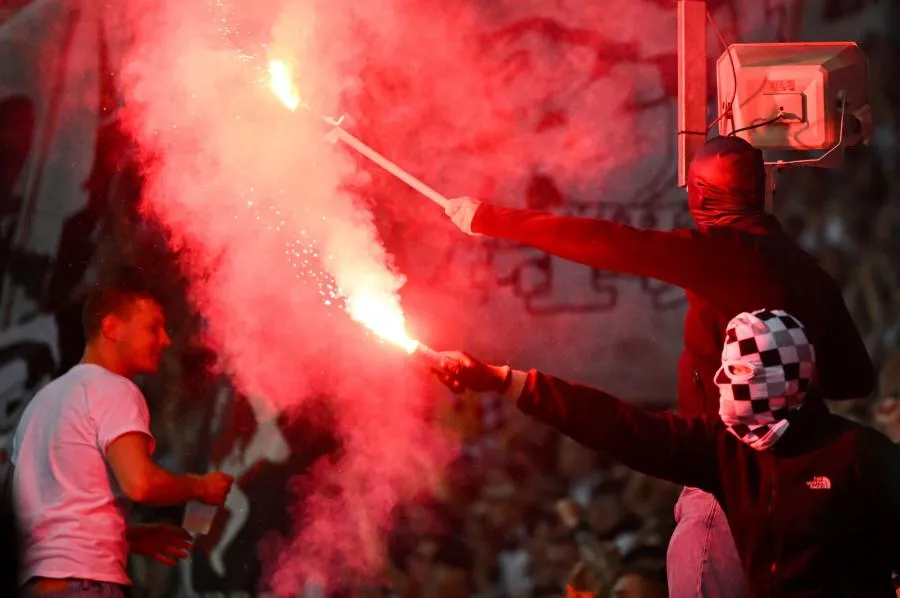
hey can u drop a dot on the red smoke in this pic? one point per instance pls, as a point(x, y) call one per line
point(472, 97)
point(256, 200)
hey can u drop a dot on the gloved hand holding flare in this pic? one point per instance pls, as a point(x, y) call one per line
point(460, 372)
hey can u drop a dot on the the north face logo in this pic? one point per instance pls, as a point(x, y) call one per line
point(819, 482)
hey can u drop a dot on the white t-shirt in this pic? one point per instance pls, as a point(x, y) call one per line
point(68, 502)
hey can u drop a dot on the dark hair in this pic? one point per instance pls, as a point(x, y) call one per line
point(112, 297)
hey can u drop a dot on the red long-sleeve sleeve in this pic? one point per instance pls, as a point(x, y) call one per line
point(718, 269)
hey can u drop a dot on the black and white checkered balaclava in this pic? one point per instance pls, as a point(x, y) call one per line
point(773, 344)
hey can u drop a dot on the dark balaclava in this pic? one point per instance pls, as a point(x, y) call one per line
point(726, 183)
point(755, 406)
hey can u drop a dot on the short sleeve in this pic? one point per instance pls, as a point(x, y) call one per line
point(118, 408)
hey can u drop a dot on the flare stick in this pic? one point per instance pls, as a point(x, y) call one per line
point(389, 166)
point(429, 356)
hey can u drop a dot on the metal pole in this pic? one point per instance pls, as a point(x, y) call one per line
point(692, 94)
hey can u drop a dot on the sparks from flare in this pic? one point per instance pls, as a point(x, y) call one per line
point(375, 310)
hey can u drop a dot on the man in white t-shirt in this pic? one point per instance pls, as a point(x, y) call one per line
point(82, 455)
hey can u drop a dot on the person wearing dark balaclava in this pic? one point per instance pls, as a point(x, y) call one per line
point(812, 498)
point(736, 260)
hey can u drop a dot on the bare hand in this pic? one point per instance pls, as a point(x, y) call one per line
point(165, 543)
point(461, 211)
point(214, 488)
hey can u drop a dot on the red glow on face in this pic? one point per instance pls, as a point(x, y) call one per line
point(141, 335)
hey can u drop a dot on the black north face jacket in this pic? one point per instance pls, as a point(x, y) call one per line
point(818, 515)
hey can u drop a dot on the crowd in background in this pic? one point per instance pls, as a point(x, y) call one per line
point(499, 523)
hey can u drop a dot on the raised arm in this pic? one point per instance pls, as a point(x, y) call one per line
point(696, 263)
point(663, 445)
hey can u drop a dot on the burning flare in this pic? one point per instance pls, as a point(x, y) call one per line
point(383, 316)
point(281, 82)
point(379, 312)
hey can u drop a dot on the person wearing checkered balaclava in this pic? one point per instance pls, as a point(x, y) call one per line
point(810, 498)
point(767, 366)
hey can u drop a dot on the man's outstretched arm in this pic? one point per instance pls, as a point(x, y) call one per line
point(696, 263)
point(664, 445)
